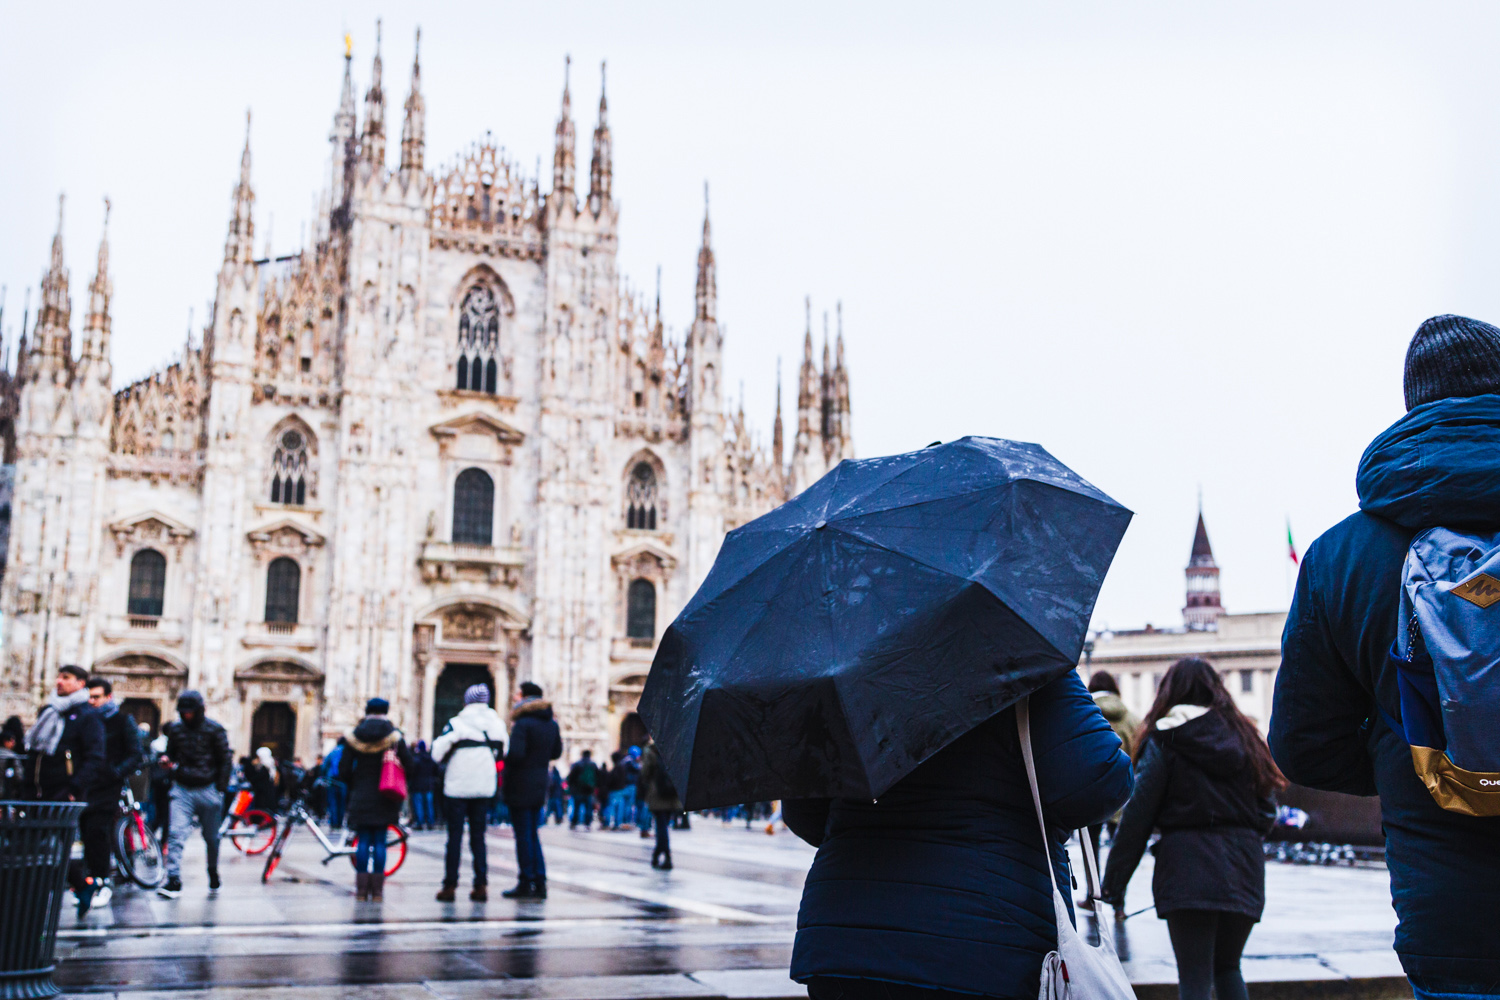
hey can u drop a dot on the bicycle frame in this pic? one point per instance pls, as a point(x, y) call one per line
point(237, 811)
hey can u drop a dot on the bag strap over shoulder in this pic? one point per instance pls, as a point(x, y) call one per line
point(1023, 729)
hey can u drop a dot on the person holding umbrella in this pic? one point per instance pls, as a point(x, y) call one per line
point(893, 654)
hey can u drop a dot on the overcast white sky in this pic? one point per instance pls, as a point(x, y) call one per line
point(1182, 245)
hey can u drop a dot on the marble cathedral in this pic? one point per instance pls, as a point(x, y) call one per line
point(439, 445)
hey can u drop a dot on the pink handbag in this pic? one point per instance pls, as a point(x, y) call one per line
point(392, 777)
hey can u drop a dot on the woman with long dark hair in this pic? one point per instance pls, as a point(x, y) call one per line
point(1205, 778)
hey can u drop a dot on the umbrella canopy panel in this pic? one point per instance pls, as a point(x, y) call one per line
point(845, 637)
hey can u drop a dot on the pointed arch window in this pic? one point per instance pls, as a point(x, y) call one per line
point(640, 498)
point(283, 590)
point(289, 468)
point(640, 609)
point(479, 341)
point(148, 583)
point(474, 508)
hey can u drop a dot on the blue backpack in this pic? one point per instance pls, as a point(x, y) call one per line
point(1447, 659)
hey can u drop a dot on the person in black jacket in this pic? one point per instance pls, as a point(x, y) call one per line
point(583, 777)
point(67, 741)
point(199, 762)
point(1204, 778)
point(370, 810)
point(535, 741)
point(122, 758)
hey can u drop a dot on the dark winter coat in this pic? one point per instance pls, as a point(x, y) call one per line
point(1196, 784)
point(123, 756)
point(77, 768)
point(656, 784)
point(582, 777)
point(199, 754)
point(422, 775)
point(1438, 465)
point(535, 741)
point(942, 883)
point(359, 768)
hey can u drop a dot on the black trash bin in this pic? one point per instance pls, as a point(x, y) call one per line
point(36, 841)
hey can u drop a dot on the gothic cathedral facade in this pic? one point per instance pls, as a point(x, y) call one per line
point(440, 445)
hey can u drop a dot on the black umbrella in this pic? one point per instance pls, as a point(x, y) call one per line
point(856, 630)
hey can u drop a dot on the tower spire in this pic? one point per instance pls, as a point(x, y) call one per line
point(96, 329)
point(372, 141)
point(1204, 607)
point(341, 139)
point(562, 155)
point(601, 168)
point(777, 439)
point(239, 248)
point(708, 283)
point(53, 339)
point(414, 127)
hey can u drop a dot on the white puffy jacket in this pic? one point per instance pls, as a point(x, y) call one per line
point(471, 770)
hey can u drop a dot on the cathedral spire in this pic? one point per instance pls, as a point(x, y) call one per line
point(708, 282)
point(562, 155)
point(372, 141)
point(96, 329)
point(414, 128)
point(601, 168)
point(341, 139)
point(777, 438)
point(239, 247)
point(52, 340)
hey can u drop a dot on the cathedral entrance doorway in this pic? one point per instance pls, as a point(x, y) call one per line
point(274, 725)
point(632, 732)
point(145, 712)
point(455, 679)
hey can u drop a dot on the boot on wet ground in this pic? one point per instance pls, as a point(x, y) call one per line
point(447, 894)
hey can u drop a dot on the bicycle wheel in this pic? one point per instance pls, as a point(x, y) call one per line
point(278, 844)
point(253, 832)
point(138, 853)
point(395, 849)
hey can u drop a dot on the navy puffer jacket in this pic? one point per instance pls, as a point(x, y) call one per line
point(1438, 465)
point(940, 883)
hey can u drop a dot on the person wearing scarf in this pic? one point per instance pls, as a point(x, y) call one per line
point(67, 742)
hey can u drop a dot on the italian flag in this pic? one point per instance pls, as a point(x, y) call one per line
point(1291, 546)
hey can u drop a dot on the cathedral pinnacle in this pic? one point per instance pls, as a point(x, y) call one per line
point(708, 286)
point(777, 434)
point(601, 168)
point(239, 247)
point(562, 156)
point(413, 129)
point(52, 338)
point(372, 141)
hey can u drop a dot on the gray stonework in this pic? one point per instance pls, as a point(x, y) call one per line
point(321, 419)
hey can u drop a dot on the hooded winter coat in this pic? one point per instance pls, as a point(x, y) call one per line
point(470, 767)
point(1438, 465)
point(1196, 784)
point(941, 882)
point(535, 742)
point(1125, 723)
point(655, 784)
point(359, 768)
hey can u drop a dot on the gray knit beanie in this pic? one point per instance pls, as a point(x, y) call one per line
point(477, 694)
point(1451, 356)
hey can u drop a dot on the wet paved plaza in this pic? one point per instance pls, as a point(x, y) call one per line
point(720, 924)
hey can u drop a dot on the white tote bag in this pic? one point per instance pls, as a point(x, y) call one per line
point(1077, 970)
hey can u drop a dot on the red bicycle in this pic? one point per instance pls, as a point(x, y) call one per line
point(250, 830)
point(137, 851)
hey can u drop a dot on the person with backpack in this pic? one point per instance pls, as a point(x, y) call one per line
point(1127, 725)
point(660, 796)
point(1204, 778)
point(582, 777)
point(942, 888)
point(422, 780)
point(372, 750)
point(469, 746)
point(1395, 605)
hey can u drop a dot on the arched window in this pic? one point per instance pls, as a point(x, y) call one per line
point(474, 507)
point(478, 340)
point(148, 582)
point(640, 610)
point(289, 468)
point(283, 590)
point(640, 498)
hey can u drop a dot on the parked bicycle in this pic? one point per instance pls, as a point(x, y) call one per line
point(137, 851)
point(395, 842)
point(250, 830)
